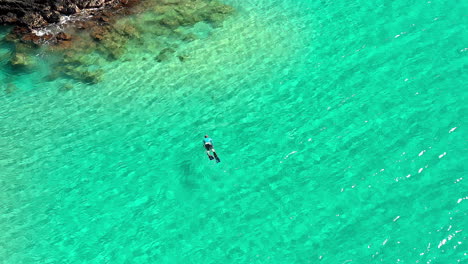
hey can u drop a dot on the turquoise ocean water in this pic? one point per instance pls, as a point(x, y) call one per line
point(341, 126)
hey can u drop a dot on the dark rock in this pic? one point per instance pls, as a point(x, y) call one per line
point(66, 87)
point(92, 77)
point(37, 13)
point(99, 33)
point(9, 18)
point(90, 3)
point(63, 36)
point(182, 58)
point(127, 30)
point(34, 20)
point(164, 54)
point(81, 73)
point(104, 19)
point(47, 37)
point(85, 24)
point(107, 13)
point(66, 7)
point(217, 7)
point(10, 88)
point(21, 30)
point(20, 60)
point(51, 16)
point(113, 49)
point(129, 3)
point(31, 37)
point(62, 45)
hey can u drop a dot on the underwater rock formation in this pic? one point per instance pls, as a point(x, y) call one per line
point(20, 60)
point(10, 88)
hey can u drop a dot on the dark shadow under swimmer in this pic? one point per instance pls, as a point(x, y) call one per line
point(208, 144)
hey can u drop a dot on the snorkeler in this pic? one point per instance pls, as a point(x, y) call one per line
point(208, 144)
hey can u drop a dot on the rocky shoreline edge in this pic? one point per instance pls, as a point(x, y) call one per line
point(39, 13)
point(74, 29)
point(32, 18)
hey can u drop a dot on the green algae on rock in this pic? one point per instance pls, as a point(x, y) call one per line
point(20, 60)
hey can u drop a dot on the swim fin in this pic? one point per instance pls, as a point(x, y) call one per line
point(210, 157)
point(216, 157)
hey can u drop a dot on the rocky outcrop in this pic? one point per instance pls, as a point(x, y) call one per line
point(39, 13)
point(33, 16)
point(20, 60)
point(103, 32)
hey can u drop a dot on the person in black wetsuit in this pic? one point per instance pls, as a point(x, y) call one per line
point(208, 144)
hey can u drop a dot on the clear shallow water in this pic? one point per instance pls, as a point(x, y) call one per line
point(341, 130)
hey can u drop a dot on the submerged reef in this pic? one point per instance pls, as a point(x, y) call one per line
point(83, 30)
